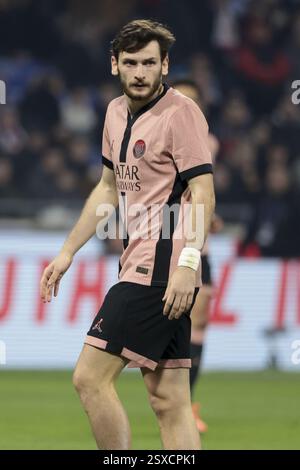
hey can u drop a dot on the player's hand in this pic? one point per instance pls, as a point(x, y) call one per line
point(52, 275)
point(179, 292)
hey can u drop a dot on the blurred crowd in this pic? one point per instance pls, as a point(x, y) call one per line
point(243, 54)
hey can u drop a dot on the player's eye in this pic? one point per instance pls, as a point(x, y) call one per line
point(150, 62)
point(129, 62)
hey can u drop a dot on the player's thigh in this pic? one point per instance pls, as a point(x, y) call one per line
point(167, 388)
point(200, 310)
point(95, 366)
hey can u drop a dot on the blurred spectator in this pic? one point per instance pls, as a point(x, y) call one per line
point(275, 226)
point(243, 160)
point(7, 185)
point(39, 107)
point(77, 112)
point(66, 182)
point(234, 121)
point(82, 159)
point(79, 153)
point(227, 184)
point(26, 161)
point(286, 125)
point(43, 180)
point(263, 67)
point(225, 28)
point(202, 73)
point(12, 134)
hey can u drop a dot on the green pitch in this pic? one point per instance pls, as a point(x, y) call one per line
point(40, 410)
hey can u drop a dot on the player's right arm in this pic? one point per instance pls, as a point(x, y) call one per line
point(104, 193)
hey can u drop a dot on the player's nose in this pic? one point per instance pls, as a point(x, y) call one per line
point(140, 72)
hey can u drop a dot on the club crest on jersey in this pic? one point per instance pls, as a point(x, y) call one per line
point(139, 148)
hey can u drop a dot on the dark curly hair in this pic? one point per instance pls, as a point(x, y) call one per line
point(138, 33)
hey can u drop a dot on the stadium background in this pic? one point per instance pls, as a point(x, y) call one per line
point(54, 60)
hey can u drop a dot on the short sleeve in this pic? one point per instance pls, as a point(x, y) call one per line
point(106, 145)
point(189, 142)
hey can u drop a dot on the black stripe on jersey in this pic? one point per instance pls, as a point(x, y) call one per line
point(126, 139)
point(125, 236)
point(164, 247)
point(107, 162)
point(196, 171)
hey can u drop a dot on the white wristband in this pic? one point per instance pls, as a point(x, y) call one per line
point(189, 257)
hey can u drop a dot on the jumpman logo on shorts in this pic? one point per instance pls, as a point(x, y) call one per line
point(98, 326)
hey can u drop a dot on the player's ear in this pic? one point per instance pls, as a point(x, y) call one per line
point(114, 66)
point(165, 65)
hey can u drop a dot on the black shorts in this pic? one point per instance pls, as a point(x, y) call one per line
point(205, 270)
point(131, 324)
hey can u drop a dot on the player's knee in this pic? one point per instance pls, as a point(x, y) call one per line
point(163, 405)
point(79, 381)
point(160, 405)
point(84, 384)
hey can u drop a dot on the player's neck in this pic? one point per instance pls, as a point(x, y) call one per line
point(134, 105)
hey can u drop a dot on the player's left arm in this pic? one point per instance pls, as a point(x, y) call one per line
point(203, 207)
point(179, 293)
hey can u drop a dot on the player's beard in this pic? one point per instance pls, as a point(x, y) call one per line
point(152, 89)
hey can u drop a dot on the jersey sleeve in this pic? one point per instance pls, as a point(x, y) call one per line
point(189, 142)
point(106, 145)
